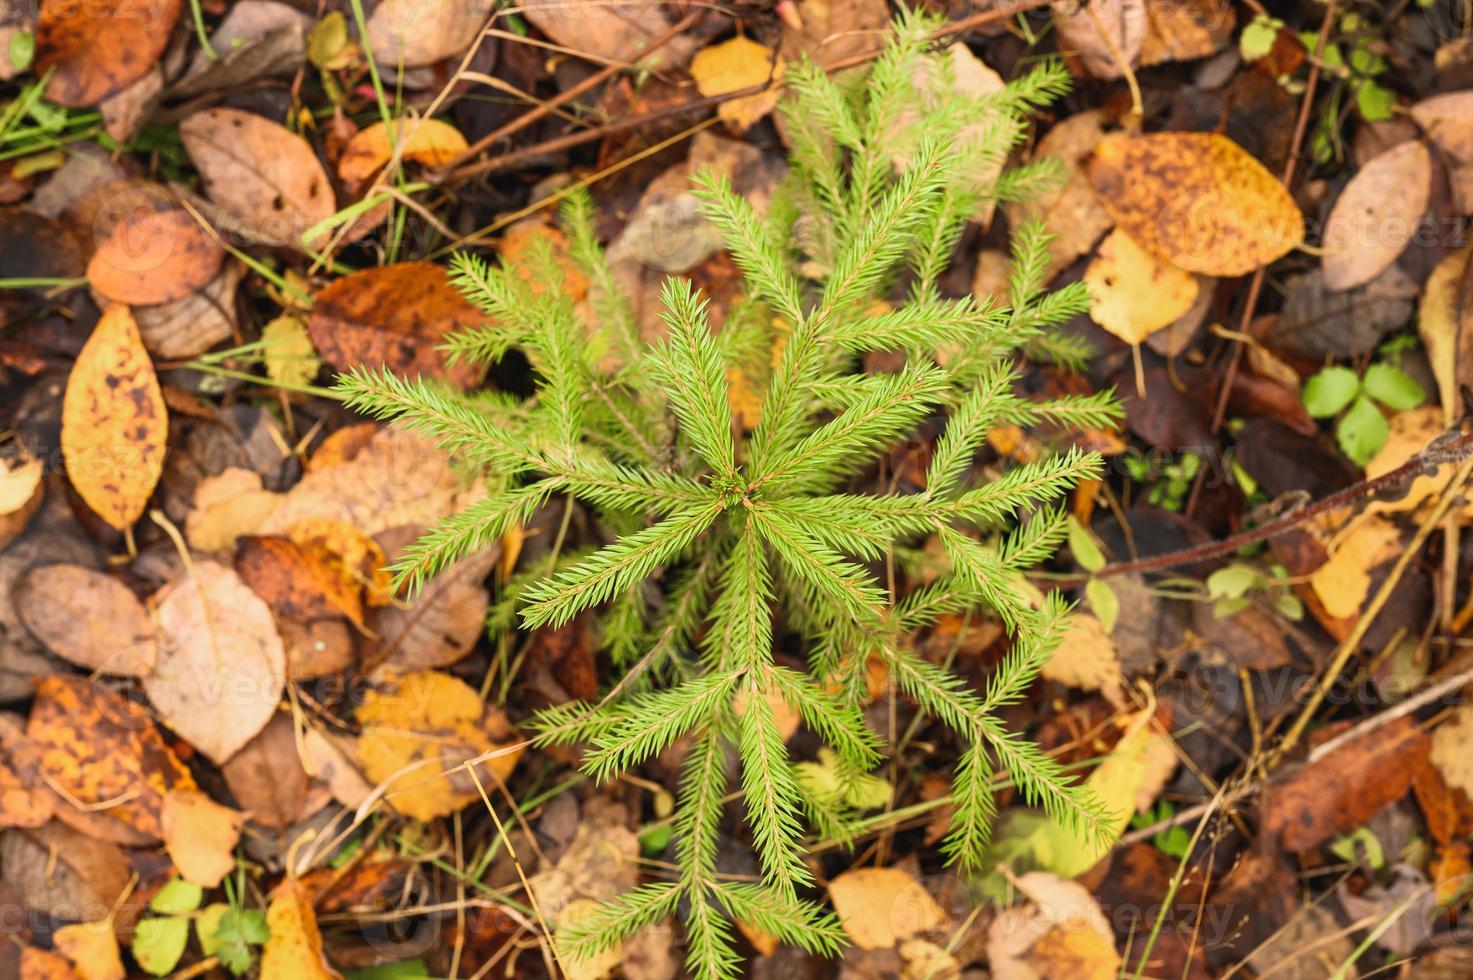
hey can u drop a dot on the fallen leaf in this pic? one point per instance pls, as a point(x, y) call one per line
point(354, 558)
point(1449, 751)
point(1376, 215)
point(327, 762)
point(63, 873)
point(1312, 938)
point(267, 177)
point(1408, 433)
point(604, 33)
point(1072, 214)
point(1086, 659)
point(1450, 871)
point(1347, 787)
point(1441, 313)
point(732, 65)
point(439, 626)
point(1185, 30)
point(1317, 322)
point(1197, 200)
point(1449, 810)
point(93, 949)
point(291, 359)
point(294, 951)
point(1447, 122)
point(414, 33)
point(227, 506)
point(267, 778)
point(200, 836)
point(190, 326)
point(221, 668)
point(521, 243)
point(256, 39)
point(296, 584)
point(829, 31)
point(1061, 932)
point(1132, 294)
point(114, 426)
point(153, 253)
point(103, 751)
point(418, 730)
point(425, 141)
point(22, 488)
point(393, 316)
point(158, 943)
point(88, 619)
point(99, 48)
point(41, 964)
point(1343, 583)
point(881, 907)
point(1106, 35)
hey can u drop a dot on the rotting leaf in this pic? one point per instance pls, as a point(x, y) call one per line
point(101, 47)
point(393, 316)
point(1197, 200)
point(1376, 215)
point(114, 425)
point(87, 618)
point(1347, 787)
point(222, 667)
point(418, 730)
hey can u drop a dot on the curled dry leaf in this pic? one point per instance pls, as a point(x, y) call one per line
point(265, 176)
point(87, 618)
point(1072, 214)
point(1106, 34)
point(1376, 215)
point(114, 426)
point(881, 907)
point(354, 558)
point(1132, 293)
point(418, 732)
point(1197, 200)
point(222, 667)
point(426, 141)
point(200, 836)
point(393, 316)
point(1348, 786)
point(730, 66)
point(96, 49)
point(294, 951)
point(102, 750)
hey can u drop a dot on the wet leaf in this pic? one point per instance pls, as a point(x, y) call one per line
point(1197, 200)
point(1376, 215)
point(393, 316)
point(294, 951)
point(98, 48)
point(221, 668)
point(1132, 293)
point(113, 422)
point(265, 176)
point(417, 731)
point(87, 618)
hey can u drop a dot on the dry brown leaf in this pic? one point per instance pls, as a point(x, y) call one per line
point(103, 751)
point(221, 668)
point(1072, 214)
point(417, 731)
point(881, 907)
point(1440, 316)
point(1376, 215)
point(1105, 34)
point(63, 873)
point(154, 255)
point(325, 761)
point(425, 141)
point(1197, 200)
point(200, 836)
point(1132, 293)
point(1347, 787)
point(730, 66)
point(1447, 122)
point(393, 316)
point(1061, 932)
point(190, 326)
point(415, 32)
point(835, 30)
point(96, 49)
point(267, 778)
point(439, 626)
point(88, 619)
point(93, 949)
point(1184, 30)
point(114, 426)
point(609, 33)
point(1086, 659)
point(267, 177)
point(294, 951)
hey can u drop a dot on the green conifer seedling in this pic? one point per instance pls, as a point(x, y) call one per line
point(723, 542)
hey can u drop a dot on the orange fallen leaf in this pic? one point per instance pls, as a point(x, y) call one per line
point(114, 426)
point(154, 254)
point(427, 141)
point(200, 836)
point(1197, 200)
point(352, 556)
point(40, 964)
point(99, 48)
point(294, 951)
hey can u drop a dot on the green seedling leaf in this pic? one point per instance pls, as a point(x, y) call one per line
point(1392, 387)
point(1357, 844)
point(1329, 390)
point(1082, 543)
point(1362, 431)
point(1232, 581)
point(1374, 102)
point(158, 943)
point(177, 897)
point(22, 50)
point(1104, 602)
point(236, 931)
point(1257, 39)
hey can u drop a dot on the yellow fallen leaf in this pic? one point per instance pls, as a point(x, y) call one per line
point(734, 65)
point(427, 141)
point(200, 836)
point(93, 949)
point(1343, 582)
point(1197, 200)
point(1086, 659)
point(114, 427)
point(1439, 320)
point(1061, 932)
point(294, 951)
point(417, 731)
point(290, 357)
point(1449, 754)
point(880, 907)
point(1132, 293)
